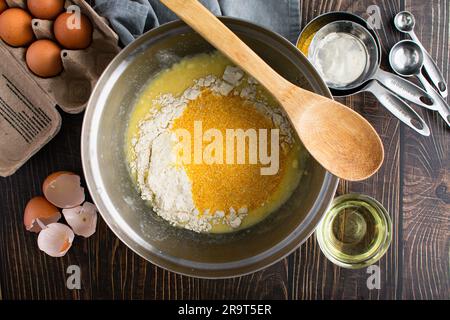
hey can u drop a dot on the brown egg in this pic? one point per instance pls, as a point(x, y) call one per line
point(73, 31)
point(3, 6)
point(15, 27)
point(44, 58)
point(46, 9)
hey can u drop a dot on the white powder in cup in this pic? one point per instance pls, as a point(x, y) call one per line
point(341, 59)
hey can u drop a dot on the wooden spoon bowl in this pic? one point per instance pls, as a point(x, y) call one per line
point(341, 140)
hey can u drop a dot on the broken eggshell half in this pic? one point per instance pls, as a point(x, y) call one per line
point(55, 239)
point(82, 219)
point(63, 189)
point(40, 209)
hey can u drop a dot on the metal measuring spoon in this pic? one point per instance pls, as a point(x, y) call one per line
point(407, 59)
point(398, 107)
point(404, 22)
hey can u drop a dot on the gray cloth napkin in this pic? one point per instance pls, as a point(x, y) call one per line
point(131, 18)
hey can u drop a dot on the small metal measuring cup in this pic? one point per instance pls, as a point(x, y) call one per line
point(373, 75)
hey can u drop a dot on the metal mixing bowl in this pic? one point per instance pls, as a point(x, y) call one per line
point(132, 220)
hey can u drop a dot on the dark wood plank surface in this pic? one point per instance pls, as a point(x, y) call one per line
point(413, 185)
point(426, 179)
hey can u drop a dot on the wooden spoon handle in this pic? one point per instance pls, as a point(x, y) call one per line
point(216, 33)
point(331, 132)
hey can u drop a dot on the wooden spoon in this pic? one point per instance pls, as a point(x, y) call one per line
point(341, 140)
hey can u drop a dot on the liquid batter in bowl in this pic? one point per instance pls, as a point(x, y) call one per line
point(186, 162)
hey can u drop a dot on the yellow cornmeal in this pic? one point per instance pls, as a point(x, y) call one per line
point(219, 187)
point(305, 43)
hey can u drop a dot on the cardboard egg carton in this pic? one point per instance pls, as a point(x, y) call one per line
point(28, 114)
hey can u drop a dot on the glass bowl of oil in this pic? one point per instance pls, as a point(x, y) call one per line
point(355, 232)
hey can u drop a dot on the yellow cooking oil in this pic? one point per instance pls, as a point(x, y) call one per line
point(355, 232)
point(218, 187)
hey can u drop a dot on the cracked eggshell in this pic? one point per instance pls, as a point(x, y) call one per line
point(63, 190)
point(40, 209)
point(82, 219)
point(56, 239)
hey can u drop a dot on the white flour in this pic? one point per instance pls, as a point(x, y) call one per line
point(340, 58)
point(167, 185)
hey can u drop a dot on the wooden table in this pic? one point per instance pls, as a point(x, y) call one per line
point(413, 184)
